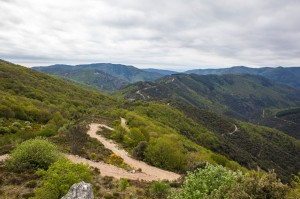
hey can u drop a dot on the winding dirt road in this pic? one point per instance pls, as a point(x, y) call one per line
point(153, 173)
point(149, 173)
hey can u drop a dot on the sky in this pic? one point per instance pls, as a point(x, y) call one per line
point(166, 34)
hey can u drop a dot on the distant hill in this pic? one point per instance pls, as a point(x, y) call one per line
point(285, 75)
point(104, 76)
point(238, 96)
point(159, 71)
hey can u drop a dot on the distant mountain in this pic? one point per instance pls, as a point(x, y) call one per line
point(240, 96)
point(104, 76)
point(285, 75)
point(159, 71)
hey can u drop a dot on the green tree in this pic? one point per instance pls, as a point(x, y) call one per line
point(133, 137)
point(139, 150)
point(33, 154)
point(60, 176)
point(166, 154)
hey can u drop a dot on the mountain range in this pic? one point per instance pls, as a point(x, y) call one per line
point(102, 76)
point(243, 97)
point(284, 75)
point(197, 135)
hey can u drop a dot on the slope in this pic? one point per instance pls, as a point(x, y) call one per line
point(104, 76)
point(284, 75)
point(239, 96)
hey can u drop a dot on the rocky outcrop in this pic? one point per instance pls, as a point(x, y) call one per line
point(80, 190)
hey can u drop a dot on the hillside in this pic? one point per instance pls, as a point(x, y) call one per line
point(105, 77)
point(239, 96)
point(160, 71)
point(177, 138)
point(284, 75)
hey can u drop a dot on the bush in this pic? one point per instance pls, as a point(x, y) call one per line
point(159, 189)
point(60, 176)
point(133, 137)
point(31, 184)
point(123, 184)
point(33, 154)
point(138, 151)
point(165, 154)
point(4, 130)
point(210, 181)
point(259, 186)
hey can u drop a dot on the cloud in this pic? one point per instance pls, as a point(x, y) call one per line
point(176, 34)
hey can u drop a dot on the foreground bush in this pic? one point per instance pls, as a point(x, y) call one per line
point(216, 182)
point(33, 154)
point(58, 179)
point(159, 189)
point(210, 181)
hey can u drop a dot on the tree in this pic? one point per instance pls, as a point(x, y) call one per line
point(166, 154)
point(138, 151)
point(33, 154)
point(60, 176)
point(133, 137)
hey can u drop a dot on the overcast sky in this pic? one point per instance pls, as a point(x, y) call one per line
point(173, 34)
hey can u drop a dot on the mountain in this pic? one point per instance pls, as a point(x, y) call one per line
point(239, 96)
point(159, 71)
point(178, 137)
point(284, 75)
point(104, 76)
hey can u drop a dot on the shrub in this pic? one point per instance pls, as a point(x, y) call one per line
point(33, 154)
point(133, 137)
point(4, 130)
point(159, 189)
point(138, 151)
point(259, 186)
point(123, 184)
point(210, 181)
point(165, 154)
point(60, 177)
point(31, 184)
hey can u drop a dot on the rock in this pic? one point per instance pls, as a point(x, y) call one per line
point(80, 190)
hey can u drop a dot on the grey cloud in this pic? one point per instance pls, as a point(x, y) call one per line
point(156, 33)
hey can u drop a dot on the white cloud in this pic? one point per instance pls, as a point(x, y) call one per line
point(177, 34)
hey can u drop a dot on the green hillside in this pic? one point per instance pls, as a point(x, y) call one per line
point(239, 96)
point(173, 136)
point(102, 76)
point(285, 75)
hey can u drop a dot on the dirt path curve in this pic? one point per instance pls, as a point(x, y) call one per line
point(123, 124)
point(113, 171)
point(154, 172)
point(108, 169)
point(235, 130)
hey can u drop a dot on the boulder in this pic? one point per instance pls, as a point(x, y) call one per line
point(80, 190)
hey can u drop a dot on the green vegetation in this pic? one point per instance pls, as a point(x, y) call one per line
point(172, 136)
point(104, 77)
point(238, 96)
point(216, 182)
point(60, 177)
point(159, 189)
point(33, 154)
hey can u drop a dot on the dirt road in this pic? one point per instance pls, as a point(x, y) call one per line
point(150, 171)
